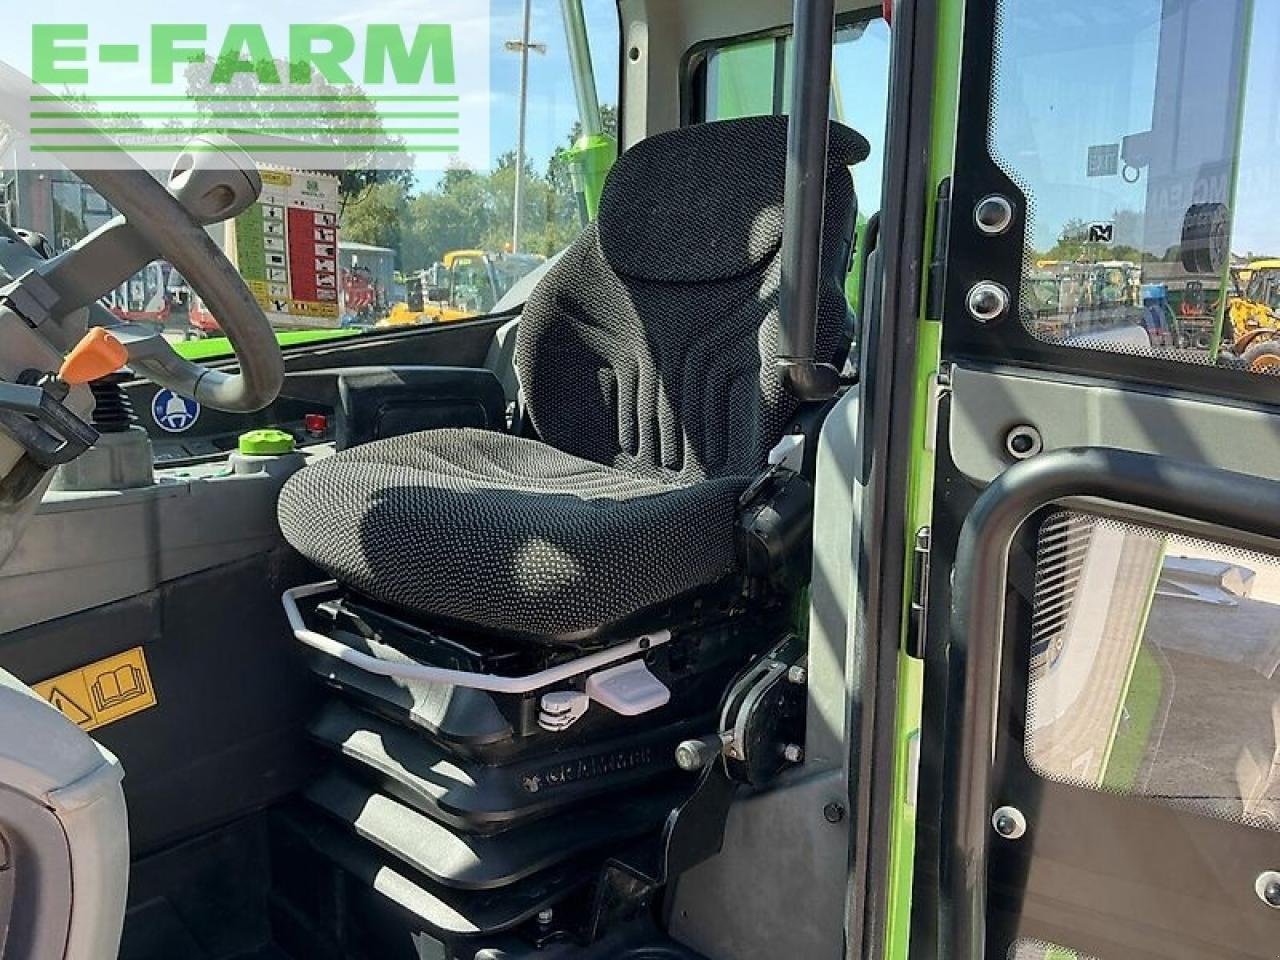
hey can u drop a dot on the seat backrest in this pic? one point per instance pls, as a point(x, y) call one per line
point(650, 345)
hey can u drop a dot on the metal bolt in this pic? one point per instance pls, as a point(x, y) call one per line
point(833, 812)
point(794, 753)
point(993, 214)
point(693, 755)
point(1024, 442)
point(545, 917)
point(988, 301)
point(798, 675)
point(1009, 823)
point(1268, 888)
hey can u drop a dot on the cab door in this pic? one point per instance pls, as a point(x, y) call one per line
point(470, 288)
point(1100, 770)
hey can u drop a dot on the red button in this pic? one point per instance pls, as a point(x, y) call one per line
point(316, 424)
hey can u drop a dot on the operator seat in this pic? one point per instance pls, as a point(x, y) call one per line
point(647, 361)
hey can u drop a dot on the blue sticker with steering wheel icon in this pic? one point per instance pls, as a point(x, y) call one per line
point(173, 413)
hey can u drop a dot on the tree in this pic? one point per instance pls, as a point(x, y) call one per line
point(467, 209)
point(1074, 244)
point(377, 216)
point(355, 123)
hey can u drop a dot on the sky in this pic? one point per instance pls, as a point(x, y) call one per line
point(1100, 71)
point(1072, 76)
point(552, 106)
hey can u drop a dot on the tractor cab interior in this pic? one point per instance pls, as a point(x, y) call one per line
point(848, 527)
point(481, 662)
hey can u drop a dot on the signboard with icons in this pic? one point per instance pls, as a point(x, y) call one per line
point(286, 248)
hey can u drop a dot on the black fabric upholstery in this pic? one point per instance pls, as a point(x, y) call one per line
point(650, 344)
point(704, 203)
point(508, 533)
point(646, 356)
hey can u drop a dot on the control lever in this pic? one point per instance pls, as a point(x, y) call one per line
point(32, 412)
point(96, 355)
point(34, 415)
point(49, 433)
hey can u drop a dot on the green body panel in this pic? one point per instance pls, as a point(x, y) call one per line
point(214, 348)
point(920, 493)
point(590, 160)
point(853, 283)
point(1143, 692)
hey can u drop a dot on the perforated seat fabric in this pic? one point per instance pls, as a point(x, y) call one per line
point(646, 358)
point(512, 534)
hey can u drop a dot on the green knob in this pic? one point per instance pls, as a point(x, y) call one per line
point(265, 443)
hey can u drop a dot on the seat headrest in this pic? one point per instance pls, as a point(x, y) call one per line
point(704, 202)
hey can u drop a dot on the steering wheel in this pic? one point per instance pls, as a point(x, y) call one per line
point(170, 223)
point(211, 181)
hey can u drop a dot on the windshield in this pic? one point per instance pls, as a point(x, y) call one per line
point(342, 251)
point(512, 268)
point(1264, 288)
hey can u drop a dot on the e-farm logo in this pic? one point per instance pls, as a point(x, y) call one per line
point(61, 53)
point(317, 95)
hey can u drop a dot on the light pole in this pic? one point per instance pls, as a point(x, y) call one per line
point(522, 46)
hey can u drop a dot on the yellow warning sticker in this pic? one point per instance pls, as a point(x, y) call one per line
point(102, 692)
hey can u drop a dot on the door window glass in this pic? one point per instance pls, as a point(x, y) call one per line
point(1144, 135)
point(1155, 668)
point(1038, 950)
point(753, 77)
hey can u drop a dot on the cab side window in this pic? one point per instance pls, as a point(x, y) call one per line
point(751, 77)
point(1148, 177)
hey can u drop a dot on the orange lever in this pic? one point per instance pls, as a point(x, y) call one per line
point(97, 354)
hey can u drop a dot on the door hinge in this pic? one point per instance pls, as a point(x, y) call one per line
point(938, 259)
point(917, 626)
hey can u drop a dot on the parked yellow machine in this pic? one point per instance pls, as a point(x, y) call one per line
point(466, 283)
point(1254, 314)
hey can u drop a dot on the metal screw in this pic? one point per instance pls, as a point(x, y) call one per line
point(833, 812)
point(1010, 823)
point(794, 753)
point(993, 214)
point(798, 675)
point(1268, 888)
point(693, 755)
point(988, 301)
point(1024, 442)
point(545, 917)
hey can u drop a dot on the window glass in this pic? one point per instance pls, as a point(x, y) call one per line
point(753, 77)
point(1155, 668)
point(1039, 950)
point(1143, 134)
point(380, 238)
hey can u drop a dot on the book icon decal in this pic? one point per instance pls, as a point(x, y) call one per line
point(118, 686)
point(103, 692)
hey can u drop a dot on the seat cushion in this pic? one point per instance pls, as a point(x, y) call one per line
point(507, 534)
